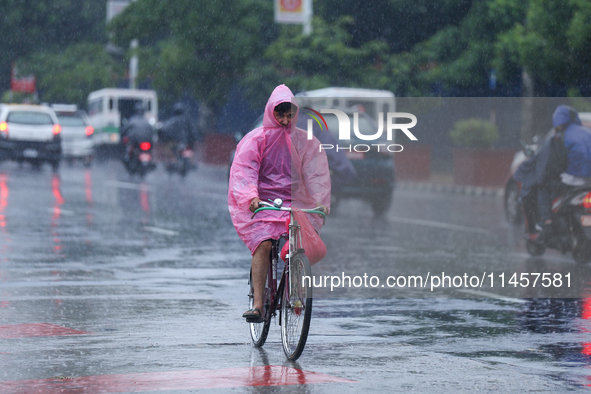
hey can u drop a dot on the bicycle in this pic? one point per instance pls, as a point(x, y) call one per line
point(292, 297)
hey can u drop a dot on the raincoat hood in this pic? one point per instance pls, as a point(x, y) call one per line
point(281, 94)
point(562, 115)
point(272, 162)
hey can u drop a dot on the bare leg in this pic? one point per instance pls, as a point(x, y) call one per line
point(260, 265)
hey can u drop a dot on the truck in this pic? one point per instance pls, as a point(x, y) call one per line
point(110, 108)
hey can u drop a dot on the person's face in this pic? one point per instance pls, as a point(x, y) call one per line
point(283, 119)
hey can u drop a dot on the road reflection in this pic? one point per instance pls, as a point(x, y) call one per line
point(134, 199)
point(586, 325)
point(569, 322)
point(5, 236)
point(3, 199)
point(88, 194)
point(3, 205)
point(57, 211)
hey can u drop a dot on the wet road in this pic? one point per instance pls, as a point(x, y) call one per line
point(115, 285)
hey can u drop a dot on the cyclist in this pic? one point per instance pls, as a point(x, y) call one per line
point(274, 161)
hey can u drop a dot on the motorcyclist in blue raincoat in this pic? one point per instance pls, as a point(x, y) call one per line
point(563, 162)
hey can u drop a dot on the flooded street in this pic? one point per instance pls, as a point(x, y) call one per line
point(112, 284)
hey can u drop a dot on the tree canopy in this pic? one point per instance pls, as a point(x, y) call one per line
point(206, 48)
point(200, 47)
point(548, 39)
point(68, 76)
point(32, 26)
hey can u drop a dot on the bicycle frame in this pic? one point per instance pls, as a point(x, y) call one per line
point(295, 241)
point(273, 288)
point(295, 306)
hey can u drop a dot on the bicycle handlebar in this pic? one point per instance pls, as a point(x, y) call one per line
point(269, 207)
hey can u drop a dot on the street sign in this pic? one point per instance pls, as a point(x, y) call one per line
point(115, 7)
point(21, 84)
point(294, 11)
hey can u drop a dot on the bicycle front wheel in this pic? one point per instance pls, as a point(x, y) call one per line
point(259, 331)
point(296, 307)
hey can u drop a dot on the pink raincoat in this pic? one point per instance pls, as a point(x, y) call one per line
point(272, 162)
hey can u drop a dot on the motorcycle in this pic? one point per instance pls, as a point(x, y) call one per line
point(571, 226)
point(512, 204)
point(138, 158)
point(183, 159)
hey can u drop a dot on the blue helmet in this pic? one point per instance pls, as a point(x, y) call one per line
point(565, 115)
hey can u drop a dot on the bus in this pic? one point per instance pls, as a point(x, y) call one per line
point(370, 101)
point(109, 109)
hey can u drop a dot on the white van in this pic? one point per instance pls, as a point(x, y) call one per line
point(77, 133)
point(109, 109)
point(372, 101)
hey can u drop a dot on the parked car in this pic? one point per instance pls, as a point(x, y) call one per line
point(375, 180)
point(30, 133)
point(77, 133)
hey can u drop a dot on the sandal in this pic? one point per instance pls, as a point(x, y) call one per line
point(253, 316)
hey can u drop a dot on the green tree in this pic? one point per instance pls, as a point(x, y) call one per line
point(68, 76)
point(324, 58)
point(462, 55)
point(400, 23)
point(461, 51)
point(203, 47)
point(549, 39)
point(552, 43)
point(28, 26)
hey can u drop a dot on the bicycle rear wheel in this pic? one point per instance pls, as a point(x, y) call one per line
point(259, 331)
point(296, 308)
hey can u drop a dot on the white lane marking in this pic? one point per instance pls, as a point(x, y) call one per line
point(128, 185)
point(162, 231)
point(446, 226)
point(62, 211)
point(486, 294)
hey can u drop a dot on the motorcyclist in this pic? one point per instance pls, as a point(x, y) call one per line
point(136, 130)
point(177, 132)
point(563, 162)
point(178, 128)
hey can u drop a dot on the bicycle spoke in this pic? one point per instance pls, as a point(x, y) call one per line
point(296, 309)
point(258, 331)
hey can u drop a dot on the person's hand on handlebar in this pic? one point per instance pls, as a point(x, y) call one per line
point(254, 204)
point(322, 208)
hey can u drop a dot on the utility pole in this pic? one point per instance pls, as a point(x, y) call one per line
point(133, 64)
point(527, 107)
point(307, 25)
